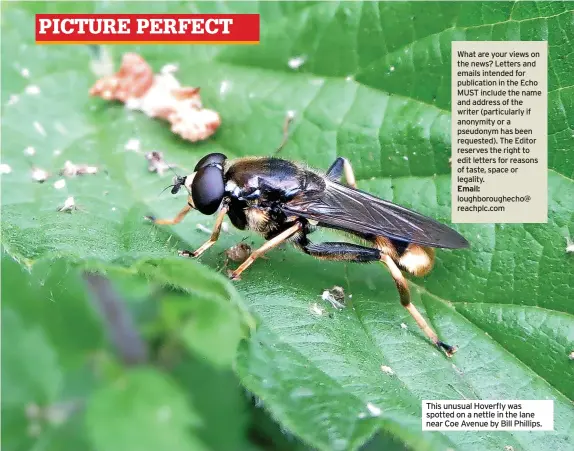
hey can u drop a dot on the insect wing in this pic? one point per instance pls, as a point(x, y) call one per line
point(345, 208)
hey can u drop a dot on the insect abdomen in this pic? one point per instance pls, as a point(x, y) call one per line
point(415, 259)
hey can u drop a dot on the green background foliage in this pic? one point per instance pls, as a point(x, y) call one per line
point(373, 86)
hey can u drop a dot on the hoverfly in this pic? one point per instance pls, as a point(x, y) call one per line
point(285, 201)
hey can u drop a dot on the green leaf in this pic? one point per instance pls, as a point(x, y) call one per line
point(205, 325)
point(373, 86)
point(218, 397)
point(54, 296)
point(50, 336)
point(38, 377)
point(142, 410)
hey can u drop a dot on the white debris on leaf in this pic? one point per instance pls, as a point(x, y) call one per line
point(569, 245)
point(387, 369)
point(133, 145)
point(13, 99)
point(59, 184)
point(103, 65)
point(403, 326)
point(392, 68)
point(224, 87)
point(71, 170)
point(335, 296)
point(571, 355)
point(202, 228)
point(375, 411)
point(5, 168)
point(159, 96)
point(29, 151)
point(69, 205)
point(39, 128)
point(57, 152)
point(296, 62)
point(25, 72)
point(39, 175)
point(156, 162)
point(60, 128)
point(316, 309)
point(32, 90)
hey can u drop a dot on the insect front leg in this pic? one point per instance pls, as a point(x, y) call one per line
point(214, 235)
point(268, 245)
point(177, 219)
point(338, 168)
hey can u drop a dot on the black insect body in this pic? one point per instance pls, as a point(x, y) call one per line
point(284, 201)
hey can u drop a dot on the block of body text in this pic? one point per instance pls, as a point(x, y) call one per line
point(504, 415)
point(499, 132)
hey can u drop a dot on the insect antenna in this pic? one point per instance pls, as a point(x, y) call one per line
point(165, 189)
point(173, 170)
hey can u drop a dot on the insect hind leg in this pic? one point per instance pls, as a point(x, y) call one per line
point(340, 251)
point(405, 297)
point(338, 168)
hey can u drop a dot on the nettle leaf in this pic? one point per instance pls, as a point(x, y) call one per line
point(142, 410)
point(368, 81)
point(45, 371)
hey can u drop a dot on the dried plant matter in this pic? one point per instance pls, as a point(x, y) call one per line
point(71, 170)
point(134, 79)
point(335, 296)
point(239, 252)
point(156, 162)
point(160, 96)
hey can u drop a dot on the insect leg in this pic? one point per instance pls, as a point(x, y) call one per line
point(338, 168)
point(342, 252)
point(405, 297)
point(268, 245)
point(214, 235)
point(184, 211)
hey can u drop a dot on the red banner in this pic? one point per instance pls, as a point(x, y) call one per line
point(147, 28)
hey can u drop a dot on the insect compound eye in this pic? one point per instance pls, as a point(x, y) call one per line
point(209, 160)
point(207, 189)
